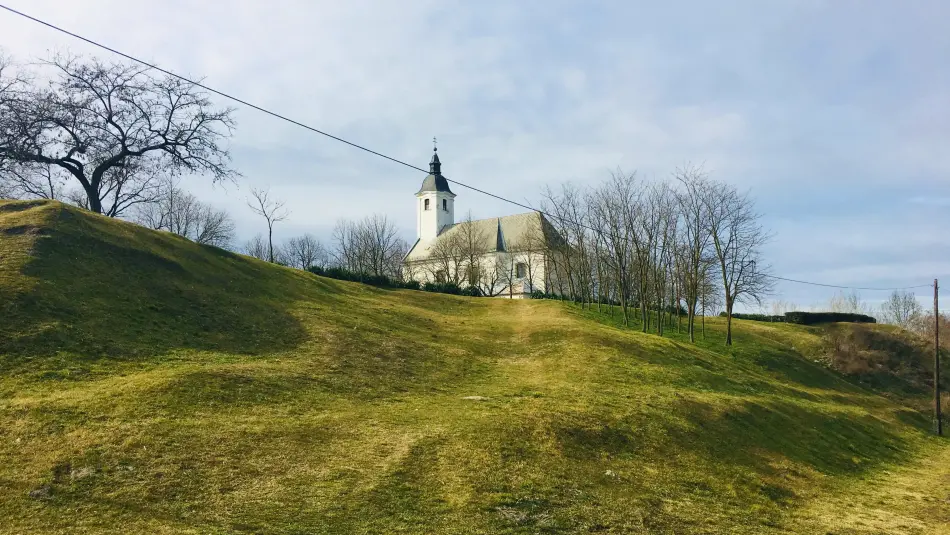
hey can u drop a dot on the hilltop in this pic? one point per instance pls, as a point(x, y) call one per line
point(152, 385)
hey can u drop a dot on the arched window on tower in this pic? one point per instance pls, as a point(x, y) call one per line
point(445, 205)
point(426, 204)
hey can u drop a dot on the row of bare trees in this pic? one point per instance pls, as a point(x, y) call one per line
point(301, 252)
point(180, 212)
point(371, 246)
point(658, 246)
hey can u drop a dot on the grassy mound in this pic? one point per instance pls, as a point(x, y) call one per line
point(151, 385)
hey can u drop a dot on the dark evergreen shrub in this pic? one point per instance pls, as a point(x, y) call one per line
point(812, 318)
point(442, 287)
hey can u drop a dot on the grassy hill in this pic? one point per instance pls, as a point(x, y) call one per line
point(151, 385)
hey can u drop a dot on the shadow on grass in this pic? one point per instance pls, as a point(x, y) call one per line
point(893, 365)
point(749, 435)
point(753, 433)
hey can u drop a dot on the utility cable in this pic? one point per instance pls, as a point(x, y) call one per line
point(365, 149)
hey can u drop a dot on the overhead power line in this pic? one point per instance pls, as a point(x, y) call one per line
point(850, 287)
point(361, 147)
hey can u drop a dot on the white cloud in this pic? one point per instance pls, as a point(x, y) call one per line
point(831, 112)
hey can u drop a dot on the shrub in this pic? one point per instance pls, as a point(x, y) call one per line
point(812, 318)
point(442, 287)
point(471, 291)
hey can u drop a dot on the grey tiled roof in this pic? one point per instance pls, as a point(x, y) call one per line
point(500, 233)
point(435, 183)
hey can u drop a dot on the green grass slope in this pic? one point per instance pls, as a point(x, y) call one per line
point(151, 385)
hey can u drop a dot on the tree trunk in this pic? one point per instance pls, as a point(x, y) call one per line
point(270, 243)
point(729, 303)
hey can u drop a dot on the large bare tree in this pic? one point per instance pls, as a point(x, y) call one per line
point(272, 210)
point(738, 237)
point(114, 128)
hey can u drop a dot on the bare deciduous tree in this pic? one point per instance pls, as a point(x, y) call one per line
point(257, 247)
point(371, 246)
point(901, 308)
point(304, 252)
point(31, 181)
point(694, 237)
point(113, 128)
point(737, 237)
point(272, 210)
point(780, 307)
point(490, 275)
point(614, 208)
point(448, 257)
point(180, 212)
point(850, 303)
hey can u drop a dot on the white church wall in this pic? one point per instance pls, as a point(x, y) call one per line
point(500, 268)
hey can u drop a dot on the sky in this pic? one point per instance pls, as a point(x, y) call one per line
point(834, 115)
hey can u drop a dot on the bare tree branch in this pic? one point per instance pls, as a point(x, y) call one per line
point(114, 128)
point(272, 210)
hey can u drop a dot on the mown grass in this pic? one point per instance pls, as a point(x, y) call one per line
point(151, 385)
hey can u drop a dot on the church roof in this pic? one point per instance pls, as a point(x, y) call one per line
point(435, 181)
point(520, 231)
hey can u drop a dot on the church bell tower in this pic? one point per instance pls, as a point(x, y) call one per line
point(435, 202)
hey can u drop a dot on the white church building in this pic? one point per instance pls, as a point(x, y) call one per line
point(504, 256)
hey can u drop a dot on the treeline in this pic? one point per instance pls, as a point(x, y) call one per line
point(370, 247)
point(688, 243)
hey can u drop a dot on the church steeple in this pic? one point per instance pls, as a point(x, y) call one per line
point(435, 181)
point(435, 166)
point(436, 203)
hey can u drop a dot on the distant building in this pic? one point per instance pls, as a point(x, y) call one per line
point(503, 256)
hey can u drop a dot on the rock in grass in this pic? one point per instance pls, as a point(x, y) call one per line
point(85, 471)
point(41, 493)
point(475, 398)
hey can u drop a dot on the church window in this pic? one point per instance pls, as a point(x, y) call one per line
point(426, 204)
point(445, 205)
point(521, 270)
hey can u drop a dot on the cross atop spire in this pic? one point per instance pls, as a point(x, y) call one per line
point(435, 147)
